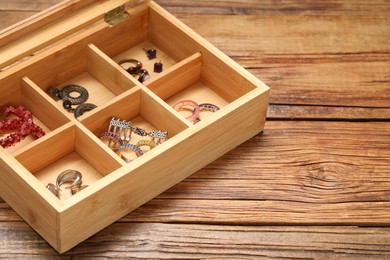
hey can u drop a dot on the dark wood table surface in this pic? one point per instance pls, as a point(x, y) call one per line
point(314, 184)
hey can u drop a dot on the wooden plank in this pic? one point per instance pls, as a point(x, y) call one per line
point(258, 212)
point(286, 7)
point(341, 172)
point(307, 59)
point(316, 112)
point(296, 77)
point(9, 18)
point(14, 11)
point(344, 7)
point(29, 6)
point(172, 241)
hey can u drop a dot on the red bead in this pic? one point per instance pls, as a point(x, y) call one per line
point(24, 125)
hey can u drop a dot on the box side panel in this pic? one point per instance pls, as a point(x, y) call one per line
point(181, 156)
point(19, 193)
point(41, 19)
point(218, 70)
point(46, 34)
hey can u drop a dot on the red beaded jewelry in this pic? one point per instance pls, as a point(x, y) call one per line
point(23, 125)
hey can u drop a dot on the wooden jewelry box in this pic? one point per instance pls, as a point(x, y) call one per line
point(81, 42)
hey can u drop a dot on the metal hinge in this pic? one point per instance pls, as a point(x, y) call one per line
point(116, 15)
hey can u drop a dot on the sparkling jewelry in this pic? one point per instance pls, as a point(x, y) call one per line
point(111, 137)
point(158, 136)
point(195, 114)
point(9, 124)
point(129, 147)
point(24, 125)
point(139, 131)
point(121, 128)
point(206, 107)
point(149, 143)
point(118, 132)
point(124, 131)
point(132, 69)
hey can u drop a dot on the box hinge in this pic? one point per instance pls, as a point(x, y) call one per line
point(116, 15)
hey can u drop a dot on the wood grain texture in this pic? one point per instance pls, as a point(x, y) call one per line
point(334, 113)
point(313, 51)
point(309, 53)
point(301, 61)
point(326, 63)
point(12, 12)
point(286, 7)
point(337, 177)
point(172, 241)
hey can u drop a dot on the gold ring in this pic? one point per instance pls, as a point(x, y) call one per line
point(149, 143)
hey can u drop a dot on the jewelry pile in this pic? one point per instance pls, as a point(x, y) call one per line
point(138, 70)
point(22, 124)
point(68, 100)
point(67, 176)
point(118, 138)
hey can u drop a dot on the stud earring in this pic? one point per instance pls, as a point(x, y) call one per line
point(151, 53)
point(158, 67)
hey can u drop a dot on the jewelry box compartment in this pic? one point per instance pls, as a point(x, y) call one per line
point(145, 117)
point(193, 70)
point(85, 70)
point(20, 100)
point(71, 149)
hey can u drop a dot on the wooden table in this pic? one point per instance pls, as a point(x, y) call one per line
point(314, 184)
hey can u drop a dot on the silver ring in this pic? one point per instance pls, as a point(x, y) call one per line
point(72, 176)
point(53, 188)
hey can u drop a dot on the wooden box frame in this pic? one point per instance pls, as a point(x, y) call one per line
point(83, 49)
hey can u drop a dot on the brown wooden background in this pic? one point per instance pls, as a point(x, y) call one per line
point(315, 184)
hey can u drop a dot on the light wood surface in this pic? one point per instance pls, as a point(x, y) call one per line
point(315, 184)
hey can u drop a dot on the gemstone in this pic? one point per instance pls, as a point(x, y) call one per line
point(23, 125)
point(140, 131)
point(151, 53)
point(158, 67)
